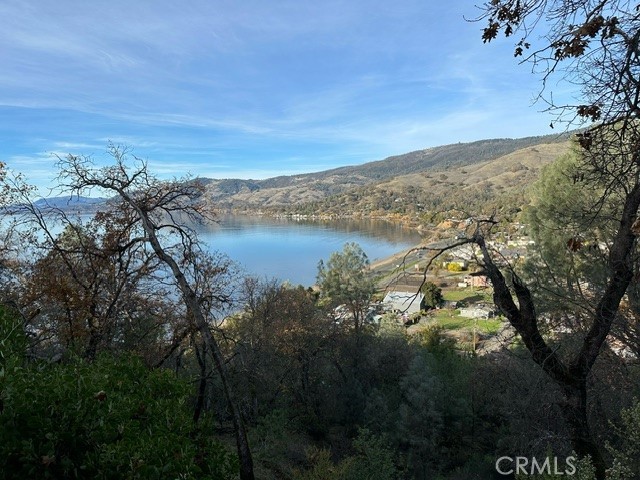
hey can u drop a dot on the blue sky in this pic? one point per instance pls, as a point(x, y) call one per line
point(250, 88)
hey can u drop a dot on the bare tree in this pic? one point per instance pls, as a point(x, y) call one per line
point(593, 45)
point(164, 211)
point(90, 287)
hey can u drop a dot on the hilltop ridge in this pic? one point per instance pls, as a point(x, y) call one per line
point(479, 176)
point(344, 190)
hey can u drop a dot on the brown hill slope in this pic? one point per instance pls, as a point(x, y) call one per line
point(290, 192)
point(498, 185)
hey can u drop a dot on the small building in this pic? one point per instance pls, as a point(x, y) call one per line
point(477, 312)
point(403, 302)
point(477, 281)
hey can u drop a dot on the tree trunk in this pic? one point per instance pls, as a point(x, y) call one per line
point(195, 309)
point(242, 442)
point(574, 411)
point(91, 351)
point(571, 379)
point(202, 384)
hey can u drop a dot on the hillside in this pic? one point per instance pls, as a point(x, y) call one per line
point(497, 185)
point(291, 193)
point(478, 177)
point(70, 202)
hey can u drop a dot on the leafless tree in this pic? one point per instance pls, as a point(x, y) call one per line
point(164, 210)
point(593, 45)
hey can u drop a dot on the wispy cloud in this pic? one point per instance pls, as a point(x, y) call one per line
point(261, 86)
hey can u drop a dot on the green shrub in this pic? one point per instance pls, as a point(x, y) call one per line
point(627, 455)
point(432, 339)
point(110, 419)
point(372, 460)
point(12, 341)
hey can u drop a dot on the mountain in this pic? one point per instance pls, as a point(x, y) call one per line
point(303, 193)
point(71, 203)
point(482, 176)
point(494, 186)
point(68, 200)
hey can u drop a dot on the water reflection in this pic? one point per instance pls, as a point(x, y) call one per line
point(290, 249)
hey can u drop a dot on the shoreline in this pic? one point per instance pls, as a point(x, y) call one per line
point(394, 259)
point(389, 273)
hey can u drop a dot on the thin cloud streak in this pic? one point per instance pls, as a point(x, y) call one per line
point(274, 88)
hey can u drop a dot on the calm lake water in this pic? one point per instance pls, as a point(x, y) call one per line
point(291, 249)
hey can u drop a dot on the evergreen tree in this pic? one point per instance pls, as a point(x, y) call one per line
point(346, 280)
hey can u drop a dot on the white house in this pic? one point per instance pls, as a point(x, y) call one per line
point(403, 302)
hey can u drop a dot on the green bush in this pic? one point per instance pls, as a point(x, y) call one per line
point(432, 339)
point(110, 419)
point(372, 460)
point(12, 341)
point(627, 455)
point(432, 296)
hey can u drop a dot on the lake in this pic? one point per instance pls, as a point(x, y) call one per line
point(290, 249)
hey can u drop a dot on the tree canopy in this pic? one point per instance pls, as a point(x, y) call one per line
point(345, 279)
point(594, 46)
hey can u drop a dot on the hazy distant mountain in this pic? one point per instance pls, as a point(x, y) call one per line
point(71, 202)
point(313, 188)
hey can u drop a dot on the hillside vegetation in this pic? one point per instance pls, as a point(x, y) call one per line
point(495, 185)
point(417, 187)
point(363, 188)
point(115, 372)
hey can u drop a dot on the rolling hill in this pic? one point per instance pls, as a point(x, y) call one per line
point(498, 185)
point(482, 176)
point(427, 179)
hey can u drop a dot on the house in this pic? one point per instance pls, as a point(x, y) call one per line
point(478, 312)
point(403, 302)
point(477, 281)
point(464, 253)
